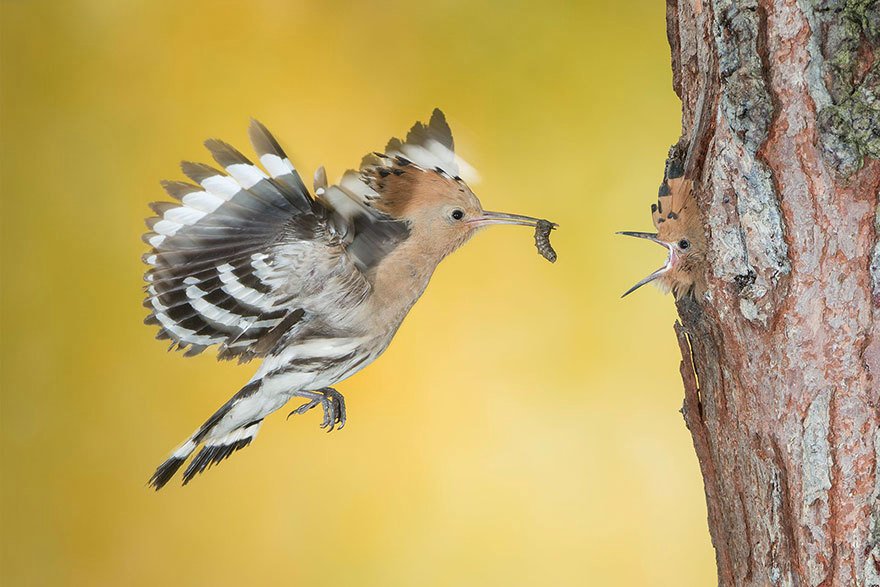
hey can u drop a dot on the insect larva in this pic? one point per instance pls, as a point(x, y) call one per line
point(542, 239)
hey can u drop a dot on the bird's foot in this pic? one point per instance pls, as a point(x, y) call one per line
point(329, 399)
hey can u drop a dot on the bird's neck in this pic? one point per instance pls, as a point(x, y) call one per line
point(400, 280)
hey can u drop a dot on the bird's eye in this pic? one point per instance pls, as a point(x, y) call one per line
point(457, 214)
point(684, 244)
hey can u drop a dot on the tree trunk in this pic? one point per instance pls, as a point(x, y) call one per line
point(781, 122)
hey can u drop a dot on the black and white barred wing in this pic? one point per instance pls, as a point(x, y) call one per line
point(230, 260)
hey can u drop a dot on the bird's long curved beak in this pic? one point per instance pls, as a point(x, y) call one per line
point(487, 218)
point(658, 273)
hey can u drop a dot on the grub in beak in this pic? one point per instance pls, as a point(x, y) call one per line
point(542, 240)
point(542, 229)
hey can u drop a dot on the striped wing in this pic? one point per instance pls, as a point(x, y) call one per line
point(233, 258)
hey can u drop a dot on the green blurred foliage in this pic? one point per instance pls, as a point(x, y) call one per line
point(521, 430)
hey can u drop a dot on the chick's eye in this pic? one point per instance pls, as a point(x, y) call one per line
point(457, 214)
point(684, 244)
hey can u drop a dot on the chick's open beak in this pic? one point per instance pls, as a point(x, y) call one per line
point(658, 273)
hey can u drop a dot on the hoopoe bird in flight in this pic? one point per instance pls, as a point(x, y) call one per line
point(315, 286)
point(679, 230)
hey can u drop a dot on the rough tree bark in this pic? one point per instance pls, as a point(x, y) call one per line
point(781, 359)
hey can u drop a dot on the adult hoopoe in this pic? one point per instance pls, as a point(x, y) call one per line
point(316, 287)
point(677, 221)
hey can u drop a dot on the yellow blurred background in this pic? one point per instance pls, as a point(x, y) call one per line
point(522, 429)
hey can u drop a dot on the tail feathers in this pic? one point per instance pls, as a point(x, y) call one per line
point(215, 449)
point(166, 470)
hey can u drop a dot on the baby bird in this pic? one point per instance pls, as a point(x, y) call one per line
point(677, 221)
point(316, 286)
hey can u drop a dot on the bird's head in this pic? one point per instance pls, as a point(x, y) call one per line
point(442, 209)
point(679, 231)
point(418, 181)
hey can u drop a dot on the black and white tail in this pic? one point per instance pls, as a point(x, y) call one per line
point(220, 436)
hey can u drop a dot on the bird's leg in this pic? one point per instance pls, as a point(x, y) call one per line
point(329, 399)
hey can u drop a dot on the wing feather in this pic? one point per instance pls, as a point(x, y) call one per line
point(276, 162)
point(220, 258)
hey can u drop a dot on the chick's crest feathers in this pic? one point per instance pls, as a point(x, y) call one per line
point(675, 215)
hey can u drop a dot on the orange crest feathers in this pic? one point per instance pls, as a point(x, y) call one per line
point(675, 214)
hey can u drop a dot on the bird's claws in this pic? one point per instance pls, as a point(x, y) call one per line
point(304, 408)
point(333, 404)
